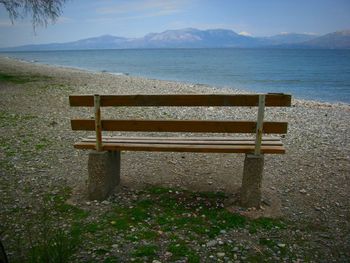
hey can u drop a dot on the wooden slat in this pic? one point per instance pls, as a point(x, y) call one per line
point(195, 142)
point(187, 138)
point(181, 148)
point(98, 125)
point(259, 124)
point(180, 126)
point(272, 100)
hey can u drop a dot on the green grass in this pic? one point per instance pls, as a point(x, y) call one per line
point(142, 235)
point(42, 144)
point(267, 224)
point(23, 144)
point(53, 233)
point(176, 210)
point(21, 79)
point(10, 119)
point(58, 247)
point(182, 250)
point(180, 219)
point(146, 251)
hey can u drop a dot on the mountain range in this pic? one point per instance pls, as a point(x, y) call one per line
point(195, 38)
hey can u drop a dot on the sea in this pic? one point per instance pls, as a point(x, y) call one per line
point(321, 75)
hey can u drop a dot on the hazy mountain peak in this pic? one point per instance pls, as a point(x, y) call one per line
point(244, 33)
point(287, 38)
point(335, 40)
point(343, 32)
point(187, 34)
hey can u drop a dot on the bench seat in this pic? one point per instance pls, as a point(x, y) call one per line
point(270, 145)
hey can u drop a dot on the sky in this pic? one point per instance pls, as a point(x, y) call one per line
point(136, 18)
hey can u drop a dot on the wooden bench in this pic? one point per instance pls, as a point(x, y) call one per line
point(104, 160)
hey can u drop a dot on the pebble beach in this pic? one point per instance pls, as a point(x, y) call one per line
point(309, 185)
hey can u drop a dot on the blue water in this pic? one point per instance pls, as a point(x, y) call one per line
point(322, 75)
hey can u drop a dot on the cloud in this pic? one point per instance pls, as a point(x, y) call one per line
point(145, 8)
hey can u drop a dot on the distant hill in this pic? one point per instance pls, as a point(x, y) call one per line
point(336, 40)
point(288, 38)
point(101, 42)
point(195, 38)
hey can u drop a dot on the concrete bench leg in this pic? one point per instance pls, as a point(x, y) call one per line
point(104, 174)
point(252, 178)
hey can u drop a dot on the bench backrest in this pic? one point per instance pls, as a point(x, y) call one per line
point(257, 127)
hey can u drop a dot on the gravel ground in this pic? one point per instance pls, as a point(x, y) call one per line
point(309, 185)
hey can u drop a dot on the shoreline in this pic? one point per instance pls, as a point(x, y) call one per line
point(216, 89)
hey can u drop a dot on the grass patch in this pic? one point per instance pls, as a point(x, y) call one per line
point(142, 235)
point(53, 229)
point(180, 219)
point(182, 250)
point(60, 87)
point(11, 119)
point(21, 79)
point(266, 224)
point(24, 144)
point(57, 247)
point(43, 143)
point(198, 214)
point(112, 260)
point(114, 220)
point(92, 227)
point(146, 251)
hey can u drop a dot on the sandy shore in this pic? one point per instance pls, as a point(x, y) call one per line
point(311, 181)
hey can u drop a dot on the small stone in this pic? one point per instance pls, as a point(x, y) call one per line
point(156, 261)
point(221, 242)
point(302, 191)
point(222, 231)
point(105, 202)
point(210, 182)
point(235, 249)
point(115, 246)
point(220, 254)
point(88, 203)
point(281, 245)
point(168, 254)
point(266, 202)
point(212, 243)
